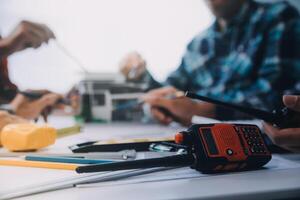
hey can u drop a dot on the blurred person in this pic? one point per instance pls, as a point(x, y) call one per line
point(25, 35)
point(248, 56)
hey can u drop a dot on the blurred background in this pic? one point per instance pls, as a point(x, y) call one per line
point(99, 33)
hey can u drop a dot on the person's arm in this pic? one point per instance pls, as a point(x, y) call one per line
point(25, 35)
point(181, 79)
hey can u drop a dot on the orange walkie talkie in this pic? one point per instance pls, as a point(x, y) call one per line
point(225, 147)
point(211, 148)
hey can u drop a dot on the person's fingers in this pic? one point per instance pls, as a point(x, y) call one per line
point(60, 106)
point(124, 68)
point(288, 137)
point(141, 68)
point(75, 100)
point(42, 106)
point(42, 91)
point(128, 59)
point(159, 102)
point(157, 115)
point(32, 39)
point(49, 32)
point(25, 35)
point(43, 28)
point(40, 37)
point(3, 115)
point(273, 133)
point(158, 94)
point(37, 31)
point(45, 114)
point(162, 91)
point(17, 119)
point(164, 101)
point(6, 118)
point(134, 58)
point(35, 34)
point(284, 137)
point(49, 99)
point(269, 129)
point(132, 66)
point(161, 117)
point(18, 101)
point(292, 102)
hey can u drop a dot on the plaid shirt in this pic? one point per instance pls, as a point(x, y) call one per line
point(253, 62)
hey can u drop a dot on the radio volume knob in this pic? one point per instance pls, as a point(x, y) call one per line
point(229, 152)
point(179, 138)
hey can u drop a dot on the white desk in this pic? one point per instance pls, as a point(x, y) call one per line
point(280, 183)
point(256, 185)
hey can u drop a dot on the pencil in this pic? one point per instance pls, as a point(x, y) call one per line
point(37, 164)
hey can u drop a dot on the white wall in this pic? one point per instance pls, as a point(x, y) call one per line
point(99, 33)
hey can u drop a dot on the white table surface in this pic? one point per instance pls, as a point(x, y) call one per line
point(280, 180)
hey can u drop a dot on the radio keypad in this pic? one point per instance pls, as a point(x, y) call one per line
point(254, 140)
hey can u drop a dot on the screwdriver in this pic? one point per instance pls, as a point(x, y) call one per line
point(165, 111)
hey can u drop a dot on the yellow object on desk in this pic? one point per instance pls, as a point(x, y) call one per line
point(26, 137)
point(68, 131)
point(48, 165)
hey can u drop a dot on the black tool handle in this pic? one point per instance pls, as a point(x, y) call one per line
point(169, 161)
point(36, 95)
point(282, 118)
point(268, 117)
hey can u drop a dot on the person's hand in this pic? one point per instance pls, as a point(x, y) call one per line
point(133, 66)
point(182, 108)
point(6, 118)
point(32, 109)
point(25, 35)
point(74, 97)
point(286, 138)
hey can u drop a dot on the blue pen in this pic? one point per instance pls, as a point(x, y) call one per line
point(67, 160)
